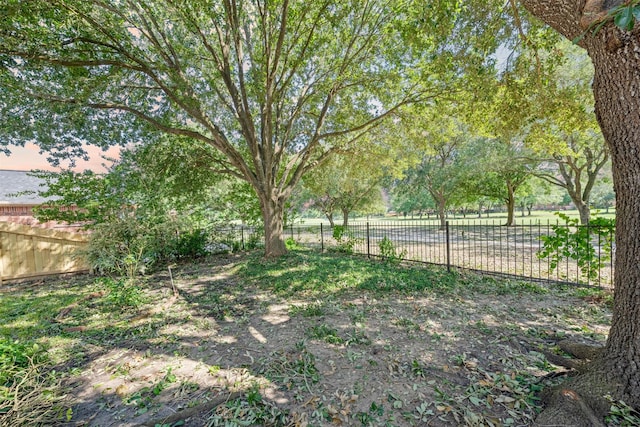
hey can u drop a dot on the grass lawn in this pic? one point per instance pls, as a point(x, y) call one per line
point(536, 217)
point(307, 340)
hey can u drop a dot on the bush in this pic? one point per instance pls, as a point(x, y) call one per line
point(346, 239)
point(120, 247)
point(589, 245)
point(128, 245)
point(122, 294)
point(191, 244)
point(291, 244)
point(389, 253)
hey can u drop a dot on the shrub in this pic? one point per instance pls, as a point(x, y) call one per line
point(346, 239)
point(191, 244)
point(589, 245)
point(389, 253)
point(123, 294)
point(291, 244)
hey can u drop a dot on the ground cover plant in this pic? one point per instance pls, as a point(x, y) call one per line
point(309, 339)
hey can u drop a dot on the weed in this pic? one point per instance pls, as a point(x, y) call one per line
point(122, 293)
point(389, 253)
point(346, 239)
point(408, 324)
point(357, 337)
point(589, 245)
point(143, 398)
point(291, 244)
point(315, 309)
point(324, 333)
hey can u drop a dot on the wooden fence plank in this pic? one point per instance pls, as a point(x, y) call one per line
point(33, 252)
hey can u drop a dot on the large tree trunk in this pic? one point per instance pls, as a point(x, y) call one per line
point(273, 216)
point(616, 58)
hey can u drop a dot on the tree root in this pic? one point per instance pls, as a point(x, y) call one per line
point(580, 350)
point(188, 413)
point(580, 401)
point(568, 408)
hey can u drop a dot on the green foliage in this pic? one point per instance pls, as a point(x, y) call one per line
point(129, 245)
point(624, 17)
point(324, 333)
point(249, 411)
point(346, 239)
point(122, 293)
point(191, 244)
point(621, 414)
point(590, 246)
point(389, 253)
point(142, 398)
point(316, 309)
point(291, 244)
point(29, 394)
point(17, 355)
point(125, 246)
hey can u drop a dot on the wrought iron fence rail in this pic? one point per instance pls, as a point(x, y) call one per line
point(493, 249)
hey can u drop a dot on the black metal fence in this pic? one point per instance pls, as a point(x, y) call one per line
point(476, 246)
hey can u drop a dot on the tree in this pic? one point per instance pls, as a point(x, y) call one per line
point(407, 199)
point(498, 170)
point(441, 170)
point(274, 87)
point(346, 185)
point(615, 53)
point(568, 132)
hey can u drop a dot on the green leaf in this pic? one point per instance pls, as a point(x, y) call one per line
point(475, 400)
point(625, 19)
point(635, 10)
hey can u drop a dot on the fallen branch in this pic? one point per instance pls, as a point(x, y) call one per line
point(188, 413)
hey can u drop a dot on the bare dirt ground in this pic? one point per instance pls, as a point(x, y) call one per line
point(227, 349)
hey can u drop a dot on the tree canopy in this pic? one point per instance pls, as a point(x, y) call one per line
point(274, 87)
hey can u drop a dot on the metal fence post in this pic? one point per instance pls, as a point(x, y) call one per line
point(368, 242)
point(448, 241)
point(242, 236)
point(321, 238)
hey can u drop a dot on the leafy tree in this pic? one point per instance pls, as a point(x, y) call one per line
point(273, 87)
point(440, 171)
point(339, 185)
point(407, 199)
point(568, 131)
point(351, 181)
point(611, 41)
point(498, 170)
point(143, 210)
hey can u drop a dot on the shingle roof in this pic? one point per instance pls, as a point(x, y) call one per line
point(12, 182)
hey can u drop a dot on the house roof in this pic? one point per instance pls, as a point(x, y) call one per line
point(12, 183)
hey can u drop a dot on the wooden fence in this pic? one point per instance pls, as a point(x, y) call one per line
point(27, 252)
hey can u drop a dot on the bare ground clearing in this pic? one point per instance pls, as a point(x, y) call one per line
point(311, 340)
